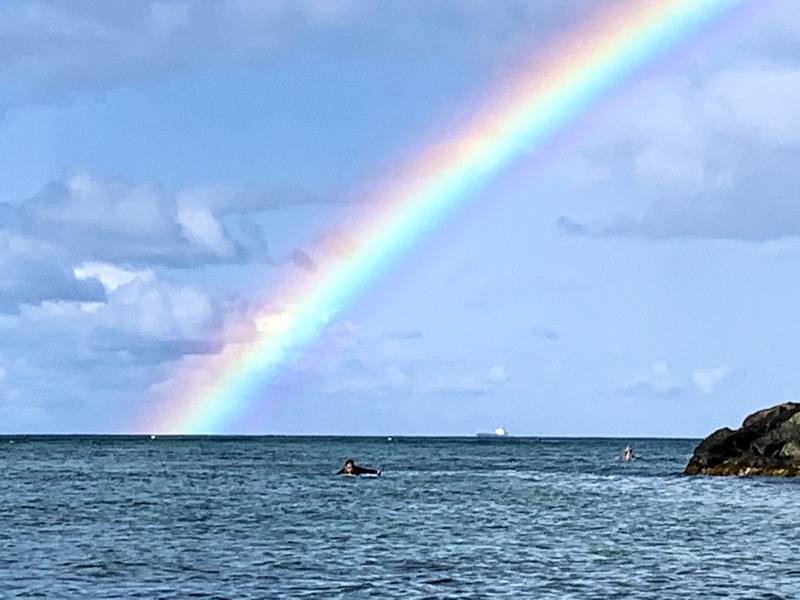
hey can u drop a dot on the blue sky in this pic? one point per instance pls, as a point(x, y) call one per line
point(165, 165)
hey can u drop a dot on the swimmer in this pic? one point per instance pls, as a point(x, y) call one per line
point(627, 454)
point(350, 468)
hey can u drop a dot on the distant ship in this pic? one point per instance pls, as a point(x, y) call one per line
point(500, 432)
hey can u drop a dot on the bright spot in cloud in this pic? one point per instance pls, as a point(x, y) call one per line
point(498, 374)
point(110, 276)
point(707, 379)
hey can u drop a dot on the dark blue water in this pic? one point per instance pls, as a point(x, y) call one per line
point(109, 517)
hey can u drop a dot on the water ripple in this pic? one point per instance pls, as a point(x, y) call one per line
point(265, 517)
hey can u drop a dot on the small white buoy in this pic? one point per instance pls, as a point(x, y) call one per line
point(152, 437)
point(389, 439)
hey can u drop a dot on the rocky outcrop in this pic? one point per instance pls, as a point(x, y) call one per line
point(767, 443)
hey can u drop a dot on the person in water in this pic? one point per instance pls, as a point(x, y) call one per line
point(627, 454)
point(351, 468)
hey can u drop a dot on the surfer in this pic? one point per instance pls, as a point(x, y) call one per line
point(627, 454)
point(351, 468)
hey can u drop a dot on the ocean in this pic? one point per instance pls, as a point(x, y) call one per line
point(265, 517)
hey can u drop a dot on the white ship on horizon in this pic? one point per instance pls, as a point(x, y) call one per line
point(499, 432)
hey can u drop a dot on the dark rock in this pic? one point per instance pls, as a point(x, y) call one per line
point(768, 443)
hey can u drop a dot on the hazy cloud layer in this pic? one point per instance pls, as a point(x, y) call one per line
point(87, 219)
point(33, 271)
point(717, 159)
point(53, 49)
point(115, 220)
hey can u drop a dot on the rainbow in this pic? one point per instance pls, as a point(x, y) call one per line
point(541, 102)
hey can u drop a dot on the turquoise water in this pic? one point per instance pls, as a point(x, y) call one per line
point(114, 517)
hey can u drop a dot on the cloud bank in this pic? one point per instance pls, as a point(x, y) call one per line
point(720, 158)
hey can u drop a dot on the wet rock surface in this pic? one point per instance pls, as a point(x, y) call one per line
point(767, 443)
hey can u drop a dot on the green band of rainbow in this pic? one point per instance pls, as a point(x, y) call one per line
point(545, 98)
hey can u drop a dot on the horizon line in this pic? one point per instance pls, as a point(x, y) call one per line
point(345, 435)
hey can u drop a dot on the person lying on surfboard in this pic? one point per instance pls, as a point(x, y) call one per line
point(350, 468)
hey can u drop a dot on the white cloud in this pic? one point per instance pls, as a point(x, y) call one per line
point(704, 150)
point(200, 226)
point(34, 271)
point(107, 220)
point(660, 376)
point(658, 381)
point(707, 379)
point(755, 100)
point(159, 310)
point(87, 219)
point(138, 304)
point(111, 276)
point(111, 205)
point(498, 374)
point(704, 153)
point(684, 137)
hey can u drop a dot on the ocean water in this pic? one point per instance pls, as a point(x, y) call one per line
point(122, 517)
